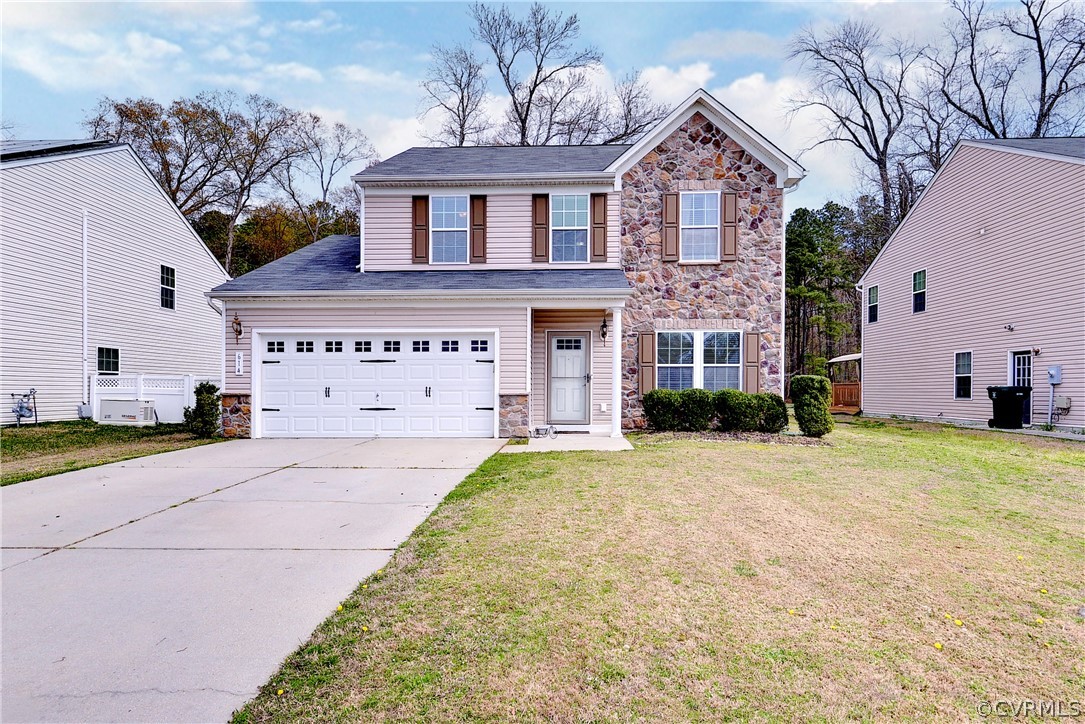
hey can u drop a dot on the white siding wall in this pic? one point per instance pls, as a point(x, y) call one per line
point(133, 230)
point(388, 228)
point(547, 320)
point(1026, 269)
point(511, 321)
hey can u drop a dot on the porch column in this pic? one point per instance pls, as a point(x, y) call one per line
point(616, 373)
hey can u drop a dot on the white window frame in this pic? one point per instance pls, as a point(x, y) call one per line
point(971, 373)
point(681, 227)
point(698, 354)
point(877, 303)
point(98, 361)
point(550, 229)
point(162, 287)
point(432, 228)
point(923, 290)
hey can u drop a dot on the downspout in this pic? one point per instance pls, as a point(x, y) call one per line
point(85, 386)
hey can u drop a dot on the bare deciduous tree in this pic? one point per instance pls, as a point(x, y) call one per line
point(1016, 73)
point(323, 152)
point(455, 87)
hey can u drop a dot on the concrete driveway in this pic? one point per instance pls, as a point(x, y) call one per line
point(169, 588)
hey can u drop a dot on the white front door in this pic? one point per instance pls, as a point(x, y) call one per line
point(1021, 376)
point(569, 379)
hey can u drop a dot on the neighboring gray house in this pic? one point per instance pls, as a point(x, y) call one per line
point(100, 272)
point(983, 284)
point(498, 289)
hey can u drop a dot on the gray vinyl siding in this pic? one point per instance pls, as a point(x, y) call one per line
point(1027, 270)
point(133, 229)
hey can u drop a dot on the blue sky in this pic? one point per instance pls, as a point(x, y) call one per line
point(361, 63)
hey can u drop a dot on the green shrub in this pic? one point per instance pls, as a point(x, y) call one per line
point(812, 396)
point(736, 411)
point(663, 408)
point(203, 420)
point(696, 410)
point(772, 411)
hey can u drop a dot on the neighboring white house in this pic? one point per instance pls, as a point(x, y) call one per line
point(99, 273)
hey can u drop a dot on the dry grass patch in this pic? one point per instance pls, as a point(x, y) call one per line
point(701, 580)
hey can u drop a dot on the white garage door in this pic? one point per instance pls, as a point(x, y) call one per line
point(388, 385)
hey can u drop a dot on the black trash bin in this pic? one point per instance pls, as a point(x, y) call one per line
point(1009, 406)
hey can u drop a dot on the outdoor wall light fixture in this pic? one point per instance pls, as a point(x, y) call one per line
point(604, 330)
point(238, 330)
point(1036, 351)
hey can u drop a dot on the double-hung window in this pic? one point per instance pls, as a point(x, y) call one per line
point(448, 224)
point(962, 376)
point(919, 291)
point(700, 226)
point(872, 304)
point(109, 361)
point(168, 293)
point(569, 228)
point(710, 360)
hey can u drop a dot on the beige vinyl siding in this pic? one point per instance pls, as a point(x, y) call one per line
point(508, 234)
point(548, 320)
point(510, 321)
point(1026, 269)
point(133, 229)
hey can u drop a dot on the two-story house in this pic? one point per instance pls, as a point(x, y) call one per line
point(101, 274)
point(983, 284)
point(498, 289)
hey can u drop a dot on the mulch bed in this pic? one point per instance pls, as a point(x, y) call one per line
point(657, 438)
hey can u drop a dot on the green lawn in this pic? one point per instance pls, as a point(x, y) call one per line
point(902, 572)
point(34, 451)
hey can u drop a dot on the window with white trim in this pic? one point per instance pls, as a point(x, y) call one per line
point(962, 376)
point(168, 292)
point(699, 223)
point(711, 360)
point(569, 228)
point(109, 361)
point(919, 291)
point(448, 229)
point(872, 304)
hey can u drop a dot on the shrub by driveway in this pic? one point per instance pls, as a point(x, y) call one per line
point(900, 572)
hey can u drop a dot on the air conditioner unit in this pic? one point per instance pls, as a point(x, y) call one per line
point(126, 412)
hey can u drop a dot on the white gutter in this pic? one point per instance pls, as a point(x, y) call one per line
point(550, 179)
point(86, 320)
point(361, 229)
point(428, 294)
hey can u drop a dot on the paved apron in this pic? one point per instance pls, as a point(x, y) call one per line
point(169, 588)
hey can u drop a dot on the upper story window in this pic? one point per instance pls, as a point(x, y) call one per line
point(569, 228)
point(168, 280)
point(872, 304)
point(700, 226)
point(448, 229)
point(919, 291)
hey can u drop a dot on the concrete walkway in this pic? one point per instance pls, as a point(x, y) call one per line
point(169, 588)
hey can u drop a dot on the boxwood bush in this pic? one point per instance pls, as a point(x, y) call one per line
point(772, 412)
point(663, 410)
point(203, 420)
point(735, 411)
point(812, 396)
point(697, 408)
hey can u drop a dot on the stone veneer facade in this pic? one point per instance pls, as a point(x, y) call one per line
point(237, 416)
point(514, 417)
point(744, 295)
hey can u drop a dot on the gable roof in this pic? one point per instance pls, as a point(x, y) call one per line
point(1069, 149)
point(330, 266)
point(14, 150)
point(481, 161)
point(789, 172)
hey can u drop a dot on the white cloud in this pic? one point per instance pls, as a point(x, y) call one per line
point(727, 45)
point(364, 75)
point(671, 86)
point(324, 22)
point(293, 71)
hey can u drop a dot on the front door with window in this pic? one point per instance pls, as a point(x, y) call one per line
point(1021, 375)
point(569, 379)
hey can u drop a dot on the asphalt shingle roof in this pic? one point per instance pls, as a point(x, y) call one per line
point(330, 265)
point(12, 150)
point(1073, 146)
point(490, 160)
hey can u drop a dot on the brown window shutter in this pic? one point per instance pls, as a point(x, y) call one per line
point(598, 227)
point(420, 243)
point(478, 229)
point(646, 356)
point(728, 227)
point(670, 227)
point(540, 227)
point(751, 368)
